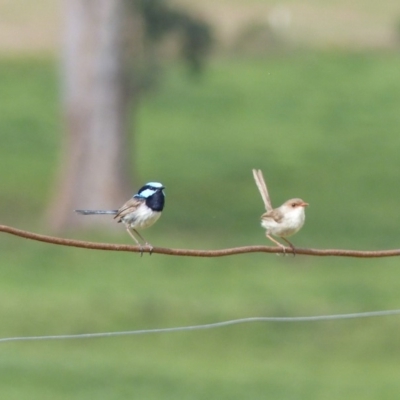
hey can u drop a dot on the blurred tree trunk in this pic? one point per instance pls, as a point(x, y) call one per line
point(95, 170)
point(107, 44)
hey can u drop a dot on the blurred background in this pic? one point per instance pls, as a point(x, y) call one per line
point(98, 98)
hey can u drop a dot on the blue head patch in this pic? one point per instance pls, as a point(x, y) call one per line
point(149, 189)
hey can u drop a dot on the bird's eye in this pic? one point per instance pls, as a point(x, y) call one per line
point(293, 205)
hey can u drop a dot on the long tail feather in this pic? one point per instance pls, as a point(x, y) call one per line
point(262, 187)
point(92, 212)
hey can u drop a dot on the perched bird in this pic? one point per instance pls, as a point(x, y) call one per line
point(139, 212)
point(283, 221)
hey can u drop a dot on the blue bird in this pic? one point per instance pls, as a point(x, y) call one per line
point(139, 212)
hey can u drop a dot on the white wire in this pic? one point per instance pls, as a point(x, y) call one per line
point(205, 326)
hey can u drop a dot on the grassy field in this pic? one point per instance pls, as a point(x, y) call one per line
point(322, 126)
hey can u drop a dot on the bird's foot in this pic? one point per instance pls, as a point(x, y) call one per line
point(283, 250)
point(150, 247)
point(291, 246)
point(293, 250)
point(141, 248)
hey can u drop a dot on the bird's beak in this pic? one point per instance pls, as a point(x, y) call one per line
point(304, 204)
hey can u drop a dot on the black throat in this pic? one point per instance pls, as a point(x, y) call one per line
point(156, 201)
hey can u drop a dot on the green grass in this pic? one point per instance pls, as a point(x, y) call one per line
point(322, 126)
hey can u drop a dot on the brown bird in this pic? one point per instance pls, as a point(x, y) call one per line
point(283, 221)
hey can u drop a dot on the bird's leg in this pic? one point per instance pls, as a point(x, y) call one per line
point(291, 246)
point(276, 242)
point(145, 241)
point(137, 241)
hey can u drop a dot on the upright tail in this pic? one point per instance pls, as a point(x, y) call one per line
point(262, 187)
point(91, 212)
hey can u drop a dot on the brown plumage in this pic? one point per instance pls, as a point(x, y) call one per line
point(130, 206)
point(283, 221)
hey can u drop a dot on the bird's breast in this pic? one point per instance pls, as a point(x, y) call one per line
point(287, 226)
point(142, 217)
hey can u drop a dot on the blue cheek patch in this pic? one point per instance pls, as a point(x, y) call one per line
point(145, 194)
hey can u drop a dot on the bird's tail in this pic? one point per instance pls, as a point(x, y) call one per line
point(262, 187)
point(92, 212)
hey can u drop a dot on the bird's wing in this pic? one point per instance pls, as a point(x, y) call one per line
point(276, 215)
point(129, 207)
point(262, 187)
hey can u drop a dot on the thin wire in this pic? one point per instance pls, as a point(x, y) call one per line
point(205, 326)
point(196, 253)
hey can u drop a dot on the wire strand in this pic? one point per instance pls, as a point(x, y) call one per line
point(196, 253)
point(205, 326)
